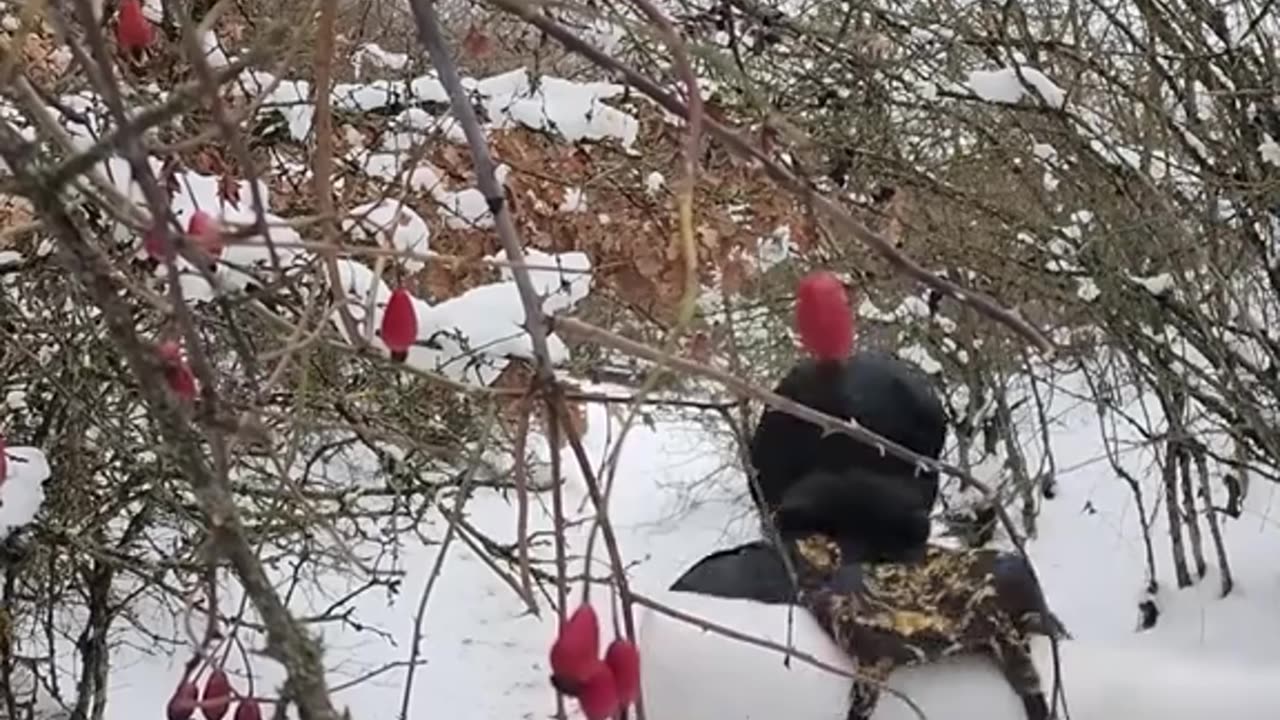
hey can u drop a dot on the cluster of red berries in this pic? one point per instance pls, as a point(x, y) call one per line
point(604, 687)
point(215, 701)
point(177, 373)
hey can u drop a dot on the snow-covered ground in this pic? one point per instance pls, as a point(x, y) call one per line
point(674, 501)
point(676, 496)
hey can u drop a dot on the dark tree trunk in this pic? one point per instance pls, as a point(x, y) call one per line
point(1189, 513)
point(1169, 475)
point(1215, 532)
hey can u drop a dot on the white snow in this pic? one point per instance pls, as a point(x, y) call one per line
point(361, 287)
point(242, 261)
point(374, 55)
point(22, 488)
point(776, 247)
point(1087, 289)
point(469, 337)
point(394, 225)
point(687, 676)
point(1044, 151)
point(213, 53)
point(575, 200)
point(671, 505)
point(1011, 85)
point(464, 209)
point(654, 182)
point(562, 280)
point(1156, 284)
point(1048, 156)
point(153, 10)
point(1269, 150)
point(572, 110)
point(917, 354)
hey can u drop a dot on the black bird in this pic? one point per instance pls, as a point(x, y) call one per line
point(811, 480)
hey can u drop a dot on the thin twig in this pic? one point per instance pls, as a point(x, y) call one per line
point(558, 409)
point(521, 477)
point(464, 490)
point(786, 651)
point(558, 528)
point(322, 170)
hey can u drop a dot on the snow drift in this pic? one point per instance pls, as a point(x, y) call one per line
point(694, 674)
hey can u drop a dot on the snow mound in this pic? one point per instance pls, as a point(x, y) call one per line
point(22, 488)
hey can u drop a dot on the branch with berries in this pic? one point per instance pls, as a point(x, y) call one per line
point(603, 691)
point(186, 372)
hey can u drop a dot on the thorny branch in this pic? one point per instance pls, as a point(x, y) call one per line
point(287, 641)
point(431, 36)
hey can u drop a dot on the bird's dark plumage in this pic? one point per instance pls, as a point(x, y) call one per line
point(841, 484)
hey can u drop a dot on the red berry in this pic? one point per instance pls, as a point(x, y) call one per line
point(575, 653)
point(153, 242)
point(624, 662)
point(399, 324)
point(823, 317)
point(169, 351)
point(206, 233)
point(248, 710)
point(182, 381)
point(177, 373)
point(217, 695)
point(133, 32)
point(183, 703)
point(598, 697)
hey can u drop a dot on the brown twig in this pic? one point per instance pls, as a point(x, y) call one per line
point(558, 527)
point(557, 407)
point(322, 126)
point(521, 477)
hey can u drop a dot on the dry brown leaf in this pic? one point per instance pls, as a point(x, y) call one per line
point(477, 44)
point(733, 276)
